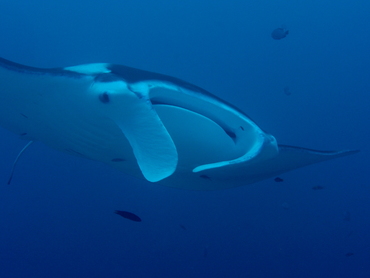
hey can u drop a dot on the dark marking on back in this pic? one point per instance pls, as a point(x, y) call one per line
point(205, 177)
point(132, 75)
point(242, 128)
point(118, 160)
point(104, 97)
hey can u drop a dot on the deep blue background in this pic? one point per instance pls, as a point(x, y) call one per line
point(56, 218)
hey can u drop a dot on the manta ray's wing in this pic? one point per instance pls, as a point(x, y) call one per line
point(75, 110)
point(290, 157)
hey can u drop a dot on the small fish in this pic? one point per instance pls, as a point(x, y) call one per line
point(279, 33)
point(317, 187)
point(277, 179)
point(128, 215)
point(349, 254)
point(183, 227)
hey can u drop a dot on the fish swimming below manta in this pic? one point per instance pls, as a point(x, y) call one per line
point(148, 125)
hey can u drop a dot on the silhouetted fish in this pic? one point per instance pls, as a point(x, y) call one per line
point(183, 227)
point(128, 215)
point(277, 179)
point(349, 254)
point(317, 187)
point(279, 33)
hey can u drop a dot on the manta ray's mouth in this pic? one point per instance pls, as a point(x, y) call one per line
point(227, 130)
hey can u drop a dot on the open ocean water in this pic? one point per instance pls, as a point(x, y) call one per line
point(309, 89)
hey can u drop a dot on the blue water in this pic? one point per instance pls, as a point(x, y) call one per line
point(57, 217)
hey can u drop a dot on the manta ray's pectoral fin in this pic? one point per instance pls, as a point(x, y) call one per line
point(16, 160)
point(290, 158)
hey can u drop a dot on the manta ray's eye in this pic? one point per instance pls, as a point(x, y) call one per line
point(104, 97)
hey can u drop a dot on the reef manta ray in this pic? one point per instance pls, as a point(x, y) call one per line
point(148, 125)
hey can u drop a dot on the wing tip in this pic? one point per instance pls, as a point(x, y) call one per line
point(328, 153)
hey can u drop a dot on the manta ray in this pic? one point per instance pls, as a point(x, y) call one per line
point(152, 126)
